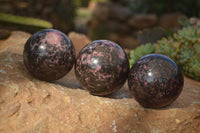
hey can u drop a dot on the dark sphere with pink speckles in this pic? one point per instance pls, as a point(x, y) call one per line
point(49, 55)
point(155, 81)
point(102, 67)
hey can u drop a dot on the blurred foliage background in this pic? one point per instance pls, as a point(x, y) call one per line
point(70, 15)
point(188, 7)
point(60, 13)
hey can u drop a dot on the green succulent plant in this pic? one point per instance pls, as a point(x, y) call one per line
point(188, 55)
point(139, 52)
point(183, 48)
point(168, 47)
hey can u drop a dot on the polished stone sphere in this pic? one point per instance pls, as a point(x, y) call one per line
point(49, 55)
point(155, 81)
point(102, 67)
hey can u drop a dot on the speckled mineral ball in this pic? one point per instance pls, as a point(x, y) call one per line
point(102, 67)
point(49, 55)
point(155, 81)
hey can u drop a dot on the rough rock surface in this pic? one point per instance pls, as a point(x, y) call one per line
point(30, 105)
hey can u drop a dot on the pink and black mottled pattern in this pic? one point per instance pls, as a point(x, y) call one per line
point(155, 81)
point(102, 67)
point(49, 55)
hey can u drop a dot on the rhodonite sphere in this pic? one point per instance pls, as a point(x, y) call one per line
point(49, 55)
point(155, 81)
point(102, 67)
